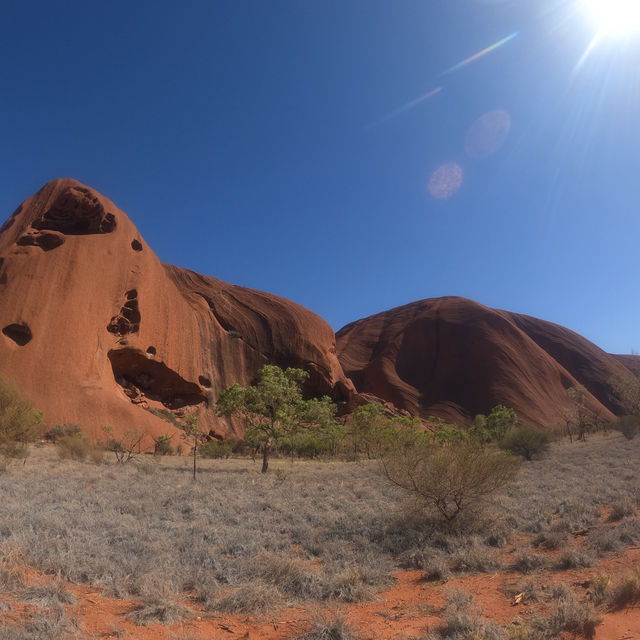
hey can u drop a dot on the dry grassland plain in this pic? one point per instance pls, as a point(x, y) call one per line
point(316, 543)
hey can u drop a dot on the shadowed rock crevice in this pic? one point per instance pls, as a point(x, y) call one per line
point(3, 273)
point(46, 240)
point(205, 382)
point(142, 378)
point(20, 333)
point(128, 320)
point(76, 211)
point(136, 245)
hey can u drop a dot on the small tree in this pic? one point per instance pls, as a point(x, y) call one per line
point(273, 407)
point(449, 478)
point(127, 447)
point(20, 423)
point(193, 434)
point(578, 416)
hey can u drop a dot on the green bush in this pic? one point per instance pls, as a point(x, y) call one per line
point(216, 449)
point(162, 446)
point(525, 441)
point(20, 423)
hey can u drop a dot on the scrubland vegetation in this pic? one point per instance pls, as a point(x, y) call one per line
point(386, 496)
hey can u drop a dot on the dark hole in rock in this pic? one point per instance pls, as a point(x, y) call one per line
point(151, 351)
point(154, 379)
point(205, 382)
point(76, 211)
point(46, 241)
point(19, 333)
point(128, 320)
point(136, 245)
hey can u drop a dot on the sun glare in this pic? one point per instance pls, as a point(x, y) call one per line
point(615, 17)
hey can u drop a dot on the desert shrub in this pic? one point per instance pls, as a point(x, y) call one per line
point(527, 561)
point(599, 588)
point(569, 614)
point(216, 449)
point(157, 611)
point(525, 441)
point(555, 537)
point(626, 592)
point(475, 558)
point(162, 446)
point(75, 446)
point(328, 629)
point(12, 566)
point(622, 508)
point(628, 426)
point(48, 594)
point(250, 599)
point(20, 423)
point(463, 621)
point(448, 478)
point(604, 540)
point(61, 430)
point(572, 559)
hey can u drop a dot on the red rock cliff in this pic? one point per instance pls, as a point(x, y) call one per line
point(454, 358)
point(97, 330)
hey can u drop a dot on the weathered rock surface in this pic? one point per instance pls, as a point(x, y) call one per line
point(97, 330)
point(454, 358)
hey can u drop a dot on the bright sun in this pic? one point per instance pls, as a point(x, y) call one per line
point(615, 17)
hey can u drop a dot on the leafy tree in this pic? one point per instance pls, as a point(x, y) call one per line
point(369, 429)
point(499, 421)
point(273, 408)
point(20, 423)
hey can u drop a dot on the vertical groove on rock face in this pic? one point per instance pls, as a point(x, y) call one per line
point(128, 320)
point(19, 333)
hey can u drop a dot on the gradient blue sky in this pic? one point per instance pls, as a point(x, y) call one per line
point(237, 136)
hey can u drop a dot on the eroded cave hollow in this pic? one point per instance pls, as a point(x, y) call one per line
point(133, 369)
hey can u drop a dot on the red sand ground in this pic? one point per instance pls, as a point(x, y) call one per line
point(406, 609)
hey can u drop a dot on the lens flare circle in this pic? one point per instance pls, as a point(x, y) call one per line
point(614, 17)
point(445, 181)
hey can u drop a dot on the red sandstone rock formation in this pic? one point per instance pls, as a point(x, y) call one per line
point(454, 358)
point(97, 330)
point(631, 362)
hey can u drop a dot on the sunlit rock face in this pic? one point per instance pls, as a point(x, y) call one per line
point(454, 358)
point(100, 332)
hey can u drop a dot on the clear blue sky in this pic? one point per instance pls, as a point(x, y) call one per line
point(249, 140)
